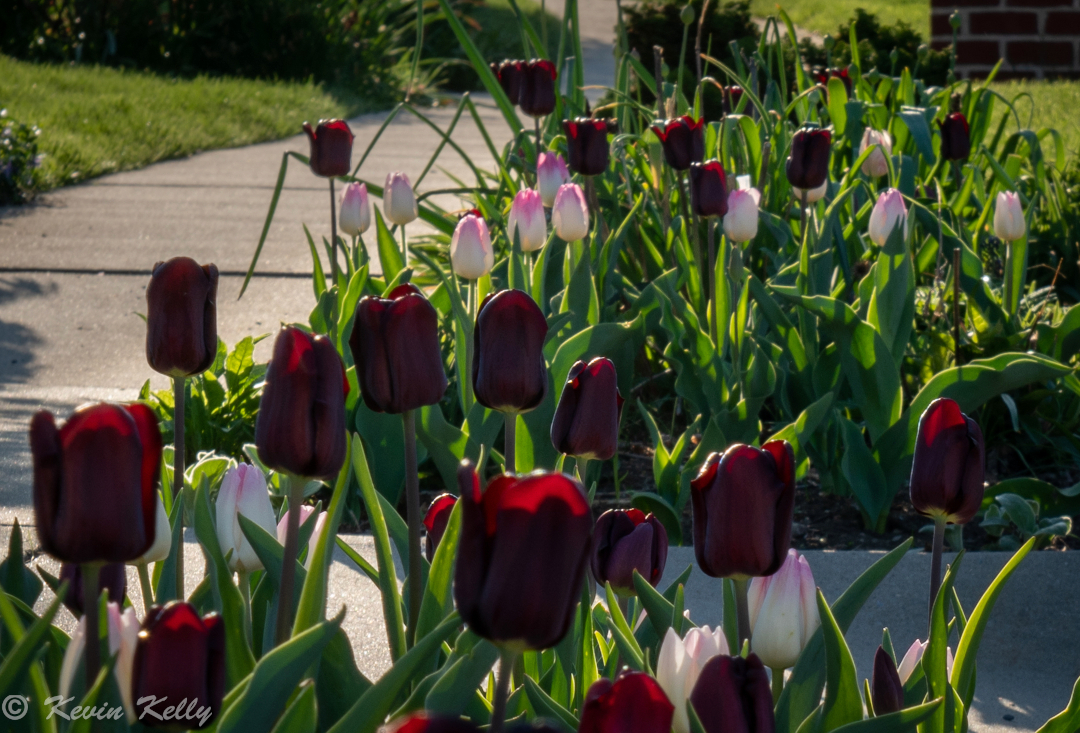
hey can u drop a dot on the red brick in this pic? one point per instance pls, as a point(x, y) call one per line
point(977, 52)
point(939, 25)
point(1039, 3)
point(1005, 24)
point(1063, 24)
point(1039, 53)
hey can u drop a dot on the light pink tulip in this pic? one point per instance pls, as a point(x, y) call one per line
point(305, 514)
point(914, 656)
point(1009, 217)
point(783, 612)
point(123, 637)
point(527, 221)
point(243, 491)
point(551, 173)
point(876, 164)
point(741, 219)
point(570, 214)
point(162, 537)
point(471, 255)
point(399, 201)
point(679, 664)
point(888, 213)
point(355, 216)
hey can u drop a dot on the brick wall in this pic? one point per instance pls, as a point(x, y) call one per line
point(1036, 38)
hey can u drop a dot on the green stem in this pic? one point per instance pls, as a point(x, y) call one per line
point(467, 328)
point(509, 439)
point(333, 237)
point(777, 684)
point(502, 690)
point(742, 606)
point(179, 393)
point(144, 584)
point(404, 247)
point(90, 572)
point(935, 561)
point(288, 568)
point(582, 470)
point(412, 499)
point(713, 326)
point(243, 579)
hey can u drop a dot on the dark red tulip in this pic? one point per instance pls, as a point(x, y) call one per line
point(438, 514)
point(586, 421)
point(733, 694)
point(886, 689)
point(331, 148)
point(111, 577)
point(395, 344)
point(732, 96)
point(947, 471)
point(509, 73)
point(521, 557)
point(181, 317)
point(300, 428)
point(509, 373)
point(537, 94)
point(625, 540)
point(808, 165)
point(179, 656)
point(94, 482)
point(955, 137)
point(822, 76)
point(587, 145)
point(634, 703)
point(743, 503)
point(683, 141)
point(708, 188)
point(424, 722)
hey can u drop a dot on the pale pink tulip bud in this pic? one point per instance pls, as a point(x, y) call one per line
point(471, 254)
point(1009, 217)
point(355, 215)
point(889, 212)
point(783, 612)
point(570, 214)
point(913, 657)
point(814, 194)
point(876, 164)
point(162, 538)
point(243, 491)
point(305, 514)
point(551, 173)
point(527, 221)
point(123, 637)
point(741, 219)
point(399, 201)
point(679, 664)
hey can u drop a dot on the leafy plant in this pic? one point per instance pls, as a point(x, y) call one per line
point(19, 159)
point(1014, 520)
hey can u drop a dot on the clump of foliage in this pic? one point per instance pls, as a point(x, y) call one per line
point(19, 159)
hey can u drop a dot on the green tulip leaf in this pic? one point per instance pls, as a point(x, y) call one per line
point(649, 502)
point(15, 578)
point(548, 709)
point(450, 695)
point(438, 602)
point(843, 703)
point(934, 660)
point(1068, 720)
point(26, 650)
point(339, 680)
point(390, 259)
point(302, 715)
point(902, 721)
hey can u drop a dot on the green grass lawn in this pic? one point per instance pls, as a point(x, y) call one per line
point(825, 16)
point(1044, 104)
point(97, 120)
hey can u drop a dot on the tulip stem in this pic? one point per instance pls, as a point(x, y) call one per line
point(179, 398)
point(243, 579)
point(467, 328)
point(288, 568)
point(412, 500)
point(90, 572)
point(802, 214)
point(404, 247)
point(582, 470)
point(777, 684)
point(742, 608)
point(502, 690)
point(333, 236)
point(956, 304)
point(935, 561)
point(510, 440)
point(147, 589)
point(714, 327)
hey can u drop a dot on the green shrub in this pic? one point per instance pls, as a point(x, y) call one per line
point(19, 159)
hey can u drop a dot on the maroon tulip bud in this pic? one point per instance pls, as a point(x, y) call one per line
point(521, 557)
point(587, 145)
point(423, 722)
point(732, 694)
point(537, 95)
point(94, 482)
point(947, 471)
point(509, 373)
point(955, 137)
point(395, 344)
point(331, 148)
point(509, 74)
point(181, 317)
point(179, 656)
point(112, 577)
point(438, 514)
point(683, 141)
point(625, 540)
point(634, 703)
point(808, 165)
point(743, 503)
point(708, 188)
point(586, 421)
point(300, 428)
point(886, 689)
point(732, 96)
